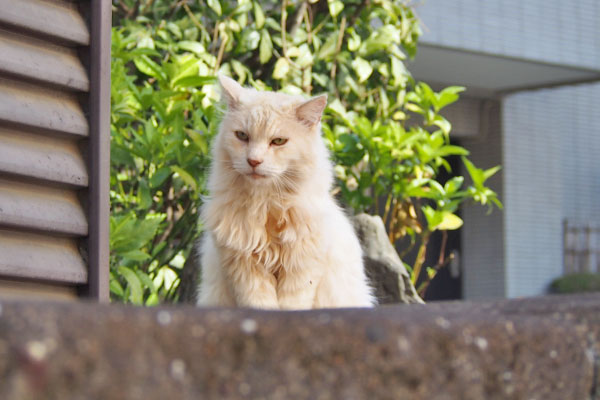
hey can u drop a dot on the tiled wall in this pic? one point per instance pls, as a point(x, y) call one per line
point(554, 31)
point(482, 253)
point(552, 171)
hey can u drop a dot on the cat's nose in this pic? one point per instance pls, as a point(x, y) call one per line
point(254, 163)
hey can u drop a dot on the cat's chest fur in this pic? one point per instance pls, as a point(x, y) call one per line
point(275, 236)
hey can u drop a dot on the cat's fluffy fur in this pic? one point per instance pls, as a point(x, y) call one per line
point(275, 238)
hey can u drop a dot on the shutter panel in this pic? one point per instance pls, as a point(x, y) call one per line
point(54, 147)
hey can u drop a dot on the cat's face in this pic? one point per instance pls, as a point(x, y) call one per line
point(268, 137)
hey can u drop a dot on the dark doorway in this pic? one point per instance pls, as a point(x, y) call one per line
point(447, 284)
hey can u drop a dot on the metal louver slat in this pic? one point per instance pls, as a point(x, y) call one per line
point(18, 289)
point(55, 160)
point(27, 255)
point(29, 207)
point(58, 19)
point(33, 59)
point(54, 147)
point(28, 105)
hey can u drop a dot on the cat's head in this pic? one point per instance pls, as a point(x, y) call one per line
point(268, 137)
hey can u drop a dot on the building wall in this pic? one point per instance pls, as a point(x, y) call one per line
point(578, 107)
point(551, 172)
point(482, 253)
point(554, 31)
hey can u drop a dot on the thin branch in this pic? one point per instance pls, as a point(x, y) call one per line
point(386, 211)
point(443, 247)
point(284, 28)
point(224, 41)
point(307, 22)
point(338, 46)
point(437, 267)
point(298, 18)
point(420, 260)
point(147, 5)
point(392, 225)
point(192, 17)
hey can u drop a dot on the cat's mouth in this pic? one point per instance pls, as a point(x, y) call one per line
point(256, 175)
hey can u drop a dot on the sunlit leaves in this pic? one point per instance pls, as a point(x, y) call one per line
point(387, 133)
point(215, 5)
point(363, 69)
point(335, 7)
point(259, 15)
point(282, 66)
point(266, 46)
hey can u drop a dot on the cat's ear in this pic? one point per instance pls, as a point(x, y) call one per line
point(310, 112)
point(230, 90)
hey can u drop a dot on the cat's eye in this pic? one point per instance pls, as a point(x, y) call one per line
point(243, 136)
point(279, 141)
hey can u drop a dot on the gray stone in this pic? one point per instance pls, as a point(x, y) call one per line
point(383, 266)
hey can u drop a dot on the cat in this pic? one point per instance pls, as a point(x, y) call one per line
point(275, 237)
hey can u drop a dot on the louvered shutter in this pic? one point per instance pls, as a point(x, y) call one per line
point(54, 147)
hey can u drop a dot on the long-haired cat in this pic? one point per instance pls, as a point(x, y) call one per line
point(275, 238)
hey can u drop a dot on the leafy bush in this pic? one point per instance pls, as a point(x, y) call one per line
point(386, 132)
point(576, 283)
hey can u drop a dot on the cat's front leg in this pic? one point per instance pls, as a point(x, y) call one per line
point(296, 290)
point(252, 285)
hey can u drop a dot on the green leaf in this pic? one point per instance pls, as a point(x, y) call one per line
point(488, 173)
point(185, 176)
point(451, 150)
point(475, 173)
point(136, 255)
point(363, 69)
point(398, 70)
point(282, 66)
point(335, 7)
point(434, 218)
point(116, 288)
point(145, 65)
point(175, 30)
point(216, 6)
point(146, 281)
point(327, 50)
point(136, 295)
point(159, 177)
point(259, 15)
point(152, 300)
point(250, 40)
point(448, 96)
point(443, 124)
point(266, 47)
point(454, 184)
point(194, 47)
point(354, 40)
point(431, 272)
point(305, 57)
point(193, 81)
point(450, 222)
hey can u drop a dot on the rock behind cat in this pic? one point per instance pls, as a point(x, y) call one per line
point(275, 238)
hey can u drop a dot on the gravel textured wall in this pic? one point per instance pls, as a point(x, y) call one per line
point(544, 348)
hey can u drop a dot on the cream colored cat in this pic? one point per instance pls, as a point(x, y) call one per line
point(275, 238)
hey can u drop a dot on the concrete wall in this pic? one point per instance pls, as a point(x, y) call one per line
point(546, 348)
point(554, 31)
